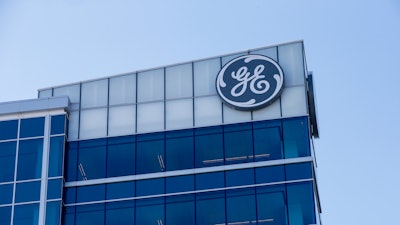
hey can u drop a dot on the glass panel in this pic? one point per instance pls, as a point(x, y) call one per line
point(239, 177)
point(92, 159)
point(295, 137)
point(235, 116)
point(7, 160)
point(179, 81)
point(210, 180)
point(8, 129)
point(270, 52)
point(94, 94)
point(6, 193)
point(238, 144)
point(271, 207)
point(54, 188)
point(56, 156)
point(68, 217)
point(26, 214)
point(53, 211)
point(272, 111)
point(205, 73)
point(150, 153)
point(294, 102)
point(73, 127)
point(151, 85)
point(71, 161)
point(27, 192)
point(69, 196)
point(301, 203)
point(150, 211)
point(179, 184)
point(90, 214)
point(240, 206)
point(179, 150)
point(150, 187)
point(179, 114)
point(209, 147)
point(73, 92)
point(93, 123)
point(45, 93)
point(210, 208)
point(228, 58)
point(207, 111)
point(180, 210)
point(291, 62)
point(30, 159)
point(121, 156)
point(270, 174)
point(90, 193)
point(298, 171)
point(123, 89)
point(150, 117)
point(121, 120)
point(5, 215)
point(120, 190)
point(268, 141)
point(32, 127)
point(58, 124)
point(120, 213)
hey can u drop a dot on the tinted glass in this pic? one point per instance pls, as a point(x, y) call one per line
point(7, 160)
point(240, 206)
point(179, 150)
point(270, 174)
point(56, 156)
point(179, 184)
point(298, 171)
point(301, 203)
point(268, 143)
point(58, 124)
point(69, 195)
point(271, 207)
point(210, 208)
point(32, 127)
point(238, 144)
point(5, 215)
point(239, 177)
point(26, 214)
point(92, 159)
point(54, 189)
point(90, 193)
point(8, 129)
point(121, 156)
point(150, 211)
point(120, 213)
point(27, 192)
point(53, 210)
point(180, 209)
point(90, 214)
point(6, 193)
point(210, 180)
point(150, 154)
point(150, 187)
point(30, 159)
point(120, 190)
point(71, 162)
point(209, 147)
point(295, 136)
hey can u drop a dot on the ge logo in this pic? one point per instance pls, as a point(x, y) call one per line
point(250, 82)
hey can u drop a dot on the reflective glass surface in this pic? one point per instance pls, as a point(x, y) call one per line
point(210, 208)
point(54, 188)
point(209, 147)
point(150, 187)
point(8, 129)
point(298, 171)
point(301, 203)
point(6, 193)
point(57, 124)
point(271, 205)
point(270, 174)
point(56, 156)
point(26, 214)
point(32, 127)
point(210, 180)
point(179, 150)
point(180, 209)
point(92, 159)
point(267, 141)
point(27, 192)
point(239, 177)
point(121, 157)
point(5, 215)
point(120, 190)
point(179, 184)
point(120, 213)
point(30, 159)
point(295, 137)
point(53, 210)
point(241, 206)
point(150, 211)
point(90, 193)
point(150, 153)
point(90, 214)
point(7, 160)
point(238, 144)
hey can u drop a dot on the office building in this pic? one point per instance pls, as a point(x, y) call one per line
point(222, 140)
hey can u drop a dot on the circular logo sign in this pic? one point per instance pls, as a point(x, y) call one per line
point(250, 82)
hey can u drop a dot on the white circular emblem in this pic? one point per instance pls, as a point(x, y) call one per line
point(250, 82)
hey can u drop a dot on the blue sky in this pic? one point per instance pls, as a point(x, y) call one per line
point(351, 46)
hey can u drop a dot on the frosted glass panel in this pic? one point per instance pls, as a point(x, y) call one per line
point(228, 58)
point(151, 85)
point(93, 123)
point(179, 114)
point(205, 73)
point(235, 116)
point(294, 101)
point(207, 111)
point(272, 111)
point(291, 61)
point(94, 94)
point(121, 120)
point(123, 89)
point(73, 125)
point(179, 81)
point(150, 117)
point(72, 91)
point(270, 52)
point(45, 93)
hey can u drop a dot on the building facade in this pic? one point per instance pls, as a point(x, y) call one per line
point(222, 140)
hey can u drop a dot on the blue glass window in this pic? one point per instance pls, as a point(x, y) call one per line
point(26, 214)
point(239, 177)
point(301, 203)
point(90, 214)
point(27, 192)
point(210, 180)
point(90, 193)
point(68, 215)
point(120, 190)
point(295, 137)
point(150, 187)
point(8, 129)
point(267, 141)
point(120, 213)
point(209, 147)
point(92, 159)
point(7, 160)
point(271, 207)
point(54, 189)
point(179, 184)
point(180, 209)
point(210, 208)
point(71, 162)
point(298, 171)
point(69, 195)
point(121, 156)
point(6, 193)
point(270, 174)
point(150, 211)
point(56, 156)
point(58, 124)
point(150, 153)
point(179, 150)
point(53, 210)
point(32, 127)
point(241, 206)
point(30, 159)
point(5, 215)
point(238, 144)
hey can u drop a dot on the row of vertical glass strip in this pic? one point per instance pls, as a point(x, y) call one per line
point(31, 178)
point(174, 97)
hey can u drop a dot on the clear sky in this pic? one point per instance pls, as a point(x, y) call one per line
point(352, 47)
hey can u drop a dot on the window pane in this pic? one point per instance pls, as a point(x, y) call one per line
point(6, 194)
point(27, 192)
point(32, 127)
point(26, 214)
point(93, 123)
point(239, 177)
point(54, 188)
point(45, 93)
point(293, 101)
point(58, 124)
point(267, 141)
point(150, 153)
point(71, 161)
point(210, 180)
point(240, 206)
point(73, 126)
point(207, 111)
point(209, 147)
point(298, 171)
point(179, 150)
point(121, 156)
point(90, 193)
point(179, 184)
point(72, 91)
point(150, 117)
point(269, 52)
point(7, 161)
point(150, 187)
point(150, 211)
point(205, 73)
point(69, 196)
point(90, 214)
point(210, 208)
point(121, 120)
point(235, 116)
point(151, 85)
point(270, 174)
point(179, 114)
point(94, 93)
point(271, 206)
point(273, 111)
point(92, 159)
point(5, 215)
point(180, 210)
point(238, 144)
point(30, 159)
point(56, 156)
point(120, 190)
point(301, 203)
point(8, 129)
point(178, 81)
point(295, 137)
point(123, 89)
point(120, 213)
point(53, 213)
point(68, 215)
point(291, 61)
